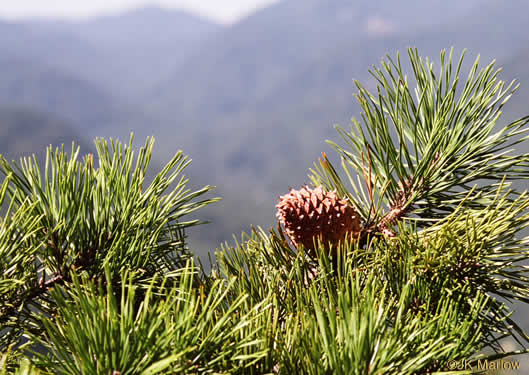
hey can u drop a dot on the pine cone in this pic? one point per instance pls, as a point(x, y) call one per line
point(308, 213)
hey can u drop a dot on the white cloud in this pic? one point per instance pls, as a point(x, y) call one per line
point(222, 10)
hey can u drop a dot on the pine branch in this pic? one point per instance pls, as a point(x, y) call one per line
point(426, 151)
point(73, 217)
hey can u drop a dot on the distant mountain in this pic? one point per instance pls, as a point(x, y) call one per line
point(129, 52)
point(320, 93)
point(247, 61)
point(289, 68)
point(144, 27)
point(256, 102)
point(24, 132)
point(251, 103)
point(38, 86)
point(23, 41)
point(66, 69)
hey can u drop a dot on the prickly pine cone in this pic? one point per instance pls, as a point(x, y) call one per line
point(309, 213)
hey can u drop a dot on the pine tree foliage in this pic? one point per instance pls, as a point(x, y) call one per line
point(442, 231)
point(175, 325)
point(74, 217)
point(97, 278)
point(420, 151)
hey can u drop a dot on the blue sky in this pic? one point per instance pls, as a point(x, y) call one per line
point(221, 10)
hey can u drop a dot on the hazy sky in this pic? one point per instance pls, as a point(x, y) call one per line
point(220, 10)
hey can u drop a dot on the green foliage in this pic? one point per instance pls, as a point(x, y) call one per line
point(362, 330)
point(421, 150)
point(469, 252)
point(74, 217)
point(363, 313)
point(173, 328)
point(96, 272)
point(442, 246)
point(24, 367)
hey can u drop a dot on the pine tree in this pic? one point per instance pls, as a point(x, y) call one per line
point(405, 260)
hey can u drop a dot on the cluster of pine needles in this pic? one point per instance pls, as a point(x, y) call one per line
point(96, 276)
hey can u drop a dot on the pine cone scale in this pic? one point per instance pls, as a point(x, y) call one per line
point(309, 214)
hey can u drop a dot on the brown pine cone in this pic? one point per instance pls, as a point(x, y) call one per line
point(308, 213)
